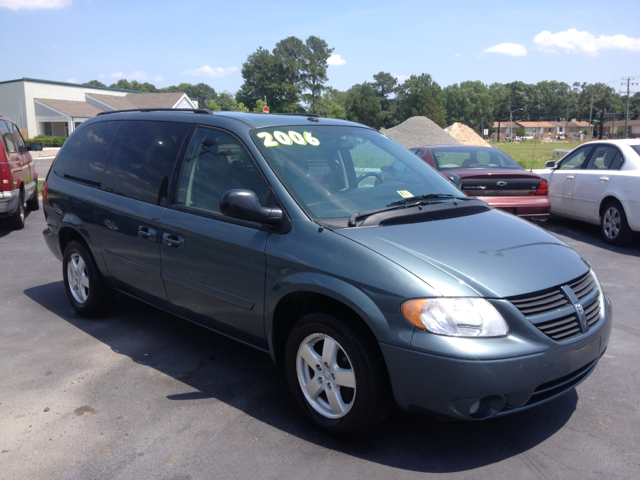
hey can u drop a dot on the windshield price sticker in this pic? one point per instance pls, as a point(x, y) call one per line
point(404, 193)
point(280, 138)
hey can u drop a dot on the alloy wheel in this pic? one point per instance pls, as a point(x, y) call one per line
point(326, 376)
point(77, 278)
point(612, 222)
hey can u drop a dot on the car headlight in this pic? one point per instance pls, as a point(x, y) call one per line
point(456, 317)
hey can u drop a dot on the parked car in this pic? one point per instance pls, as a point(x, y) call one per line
point(492, 176)
point(364, 273)
point(599, 183)
point(18, 177)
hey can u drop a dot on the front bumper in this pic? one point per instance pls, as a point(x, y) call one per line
point(9, 202)
point(470, 389)
point(535, 208)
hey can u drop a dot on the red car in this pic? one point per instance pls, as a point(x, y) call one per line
point(18, 177)
point(492, 176)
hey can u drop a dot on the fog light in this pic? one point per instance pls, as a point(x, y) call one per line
point(474, 408)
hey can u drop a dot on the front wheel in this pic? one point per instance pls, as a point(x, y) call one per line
point(337, 374)
point(614, 226)
point(83, 282)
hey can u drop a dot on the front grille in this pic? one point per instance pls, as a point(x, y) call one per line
point(552, 312)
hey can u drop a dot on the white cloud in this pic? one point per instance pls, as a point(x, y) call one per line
point(158, 78)
point(34, 4)
point(207, 71)
point(583, 42)
point(135, 75)
point(72, 80)
point(401, 78)
point(336, 60)
point(512, 49)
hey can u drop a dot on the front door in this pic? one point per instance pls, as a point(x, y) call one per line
point(594, 180)
point(562, 180)
point(213, 266)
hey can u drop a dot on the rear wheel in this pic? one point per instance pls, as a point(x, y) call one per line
point(614, 226)
point(32, 203)
point(83, 282)
point(16, 221)
point(337, 375)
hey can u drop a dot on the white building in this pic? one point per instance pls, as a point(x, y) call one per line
point(43, 107)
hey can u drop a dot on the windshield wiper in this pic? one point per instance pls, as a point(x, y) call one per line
point(428, 196)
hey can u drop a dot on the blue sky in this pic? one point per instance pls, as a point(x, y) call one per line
point(192, 41)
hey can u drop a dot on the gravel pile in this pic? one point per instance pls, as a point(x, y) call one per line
point(465, 135)
point(419, 131)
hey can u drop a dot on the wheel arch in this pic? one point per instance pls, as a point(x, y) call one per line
point(605, 200)
point(304, 293)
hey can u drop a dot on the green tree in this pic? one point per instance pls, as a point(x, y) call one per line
point(123, 83)
point(315, 56)
point(332, 104)
point(95, 83)
point(226, 102)
point(202, 92)
point(363, 105)
point(261, 76)
point(385, 86)
point(470, 103)
point(418, 96)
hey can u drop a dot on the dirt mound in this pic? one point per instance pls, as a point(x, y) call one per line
point(419, 131)
point(465, 135)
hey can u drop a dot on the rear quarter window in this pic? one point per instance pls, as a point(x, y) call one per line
point(83, 155)
point(142, 158)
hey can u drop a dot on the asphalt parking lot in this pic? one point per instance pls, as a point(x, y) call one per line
point(140, 394)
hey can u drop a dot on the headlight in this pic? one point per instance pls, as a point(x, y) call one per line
point(457, 317)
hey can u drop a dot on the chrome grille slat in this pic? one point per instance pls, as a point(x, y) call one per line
point(551, 302)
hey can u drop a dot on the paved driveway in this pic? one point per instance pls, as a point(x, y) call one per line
point(140, 394)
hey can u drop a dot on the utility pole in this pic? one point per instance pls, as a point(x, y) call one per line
point(626, 118)
point(590, 113)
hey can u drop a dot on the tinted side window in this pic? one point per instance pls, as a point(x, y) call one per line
point(142, 158)
point(6, 138)
point(575, 159)
point(83, 154)
point(215, 164)
point(17, 137)
point(603, 157)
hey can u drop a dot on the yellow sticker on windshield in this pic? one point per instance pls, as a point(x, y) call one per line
point(291, 138)
point(405, 193)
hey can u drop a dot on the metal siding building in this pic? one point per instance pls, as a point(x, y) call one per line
point(21, 101)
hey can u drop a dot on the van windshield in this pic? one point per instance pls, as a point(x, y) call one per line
point(336, 171)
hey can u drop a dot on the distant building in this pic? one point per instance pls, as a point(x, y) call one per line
point(614, 129)
point(43, 107)
point(542, 129)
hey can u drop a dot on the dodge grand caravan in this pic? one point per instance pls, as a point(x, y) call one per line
point(369, 277)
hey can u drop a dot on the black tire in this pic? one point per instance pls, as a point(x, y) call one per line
point(16, 221)
point(368, 404)
point(83, 282)
point(32, 203)
point(613, 224)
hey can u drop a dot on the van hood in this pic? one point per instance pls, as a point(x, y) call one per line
point(492, 254)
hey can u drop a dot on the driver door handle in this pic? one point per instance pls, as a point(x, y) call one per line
point(173, 240)
point(569, 177)
point(604, 179)
point(147, 233)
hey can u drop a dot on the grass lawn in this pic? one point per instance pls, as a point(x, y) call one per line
point(532, 153)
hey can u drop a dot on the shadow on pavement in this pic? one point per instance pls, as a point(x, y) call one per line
point(587, 233)
point(245, 378)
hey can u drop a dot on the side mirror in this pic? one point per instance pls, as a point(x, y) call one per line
point(244, 204)
point(453, 178)
point(550, 164)
point(35, 147)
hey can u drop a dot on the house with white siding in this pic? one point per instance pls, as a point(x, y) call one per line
point(43, 107)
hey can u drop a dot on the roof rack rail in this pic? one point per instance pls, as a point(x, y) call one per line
point(194, 110)
point(301, 114)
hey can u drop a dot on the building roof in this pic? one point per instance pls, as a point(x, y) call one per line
point(140, 100)
point(68, 84)
point(535, 124)
point(71, 108)
point(620, 123)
